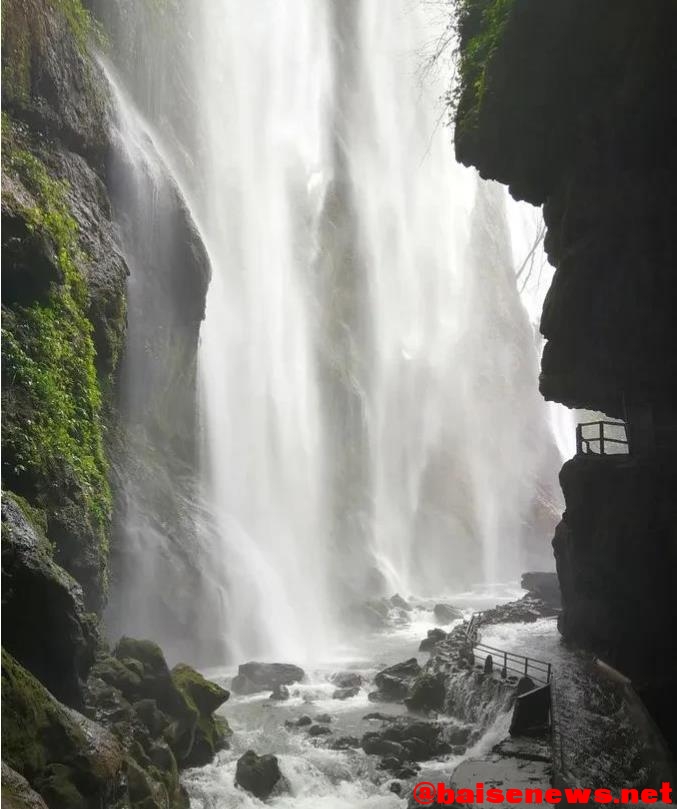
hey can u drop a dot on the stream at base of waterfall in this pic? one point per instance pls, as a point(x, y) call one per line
point(316, 775)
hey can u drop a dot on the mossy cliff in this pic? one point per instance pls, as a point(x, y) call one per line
point(82, 727)
point(571, 104)
point(63, 300)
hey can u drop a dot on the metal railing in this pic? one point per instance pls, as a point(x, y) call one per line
point(510, 662)
point(513, 663)
point(586, 443)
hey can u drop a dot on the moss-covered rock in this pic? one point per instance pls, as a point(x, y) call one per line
point(68, 759)
point(17, 793)
point(207, 696)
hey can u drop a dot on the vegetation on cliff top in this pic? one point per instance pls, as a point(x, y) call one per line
point(52, 427)
point(480, 25)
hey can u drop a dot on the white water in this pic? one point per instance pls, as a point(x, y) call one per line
point(367, 373)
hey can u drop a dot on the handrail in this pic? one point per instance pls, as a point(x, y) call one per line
point(540, 670)
point(584, 444)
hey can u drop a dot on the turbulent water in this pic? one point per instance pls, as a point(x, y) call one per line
point(364, 415)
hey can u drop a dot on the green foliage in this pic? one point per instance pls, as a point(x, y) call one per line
point(480, 24)
point(52, 430)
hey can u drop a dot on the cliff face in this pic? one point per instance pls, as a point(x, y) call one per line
point(64, 282)
point(571, 104)
point(64, 332)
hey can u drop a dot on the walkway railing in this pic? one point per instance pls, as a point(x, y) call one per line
point(594, 437)
point(510, 662)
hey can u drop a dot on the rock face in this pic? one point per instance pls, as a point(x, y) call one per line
point(63, 320)
point(589, 134)
point(258, 774)
point(252, 677)
point(615, 569)
point(54, 638)
point(544, 586)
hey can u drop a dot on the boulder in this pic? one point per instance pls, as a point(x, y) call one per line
point(346, 679)
point(206, 695)
point(434, 637)
point(418, 740)
point(258, 774)
point(304, 721)
point(375, 744)
point(445, 613)
point(400, 603)
point(323, 718)
point(345, 693)
point(56, 749)
point(280, 693)
point(253, 677)
point(319, 730)
point(345, 743)
point(427, 693)
point(55, 637)
point(394, 682)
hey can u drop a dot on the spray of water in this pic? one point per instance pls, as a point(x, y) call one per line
point(368, 413)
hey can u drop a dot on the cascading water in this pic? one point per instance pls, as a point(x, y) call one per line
point(368, 407)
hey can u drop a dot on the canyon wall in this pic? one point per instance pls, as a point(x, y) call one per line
point(571, 104)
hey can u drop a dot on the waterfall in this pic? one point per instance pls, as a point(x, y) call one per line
point(364, 414)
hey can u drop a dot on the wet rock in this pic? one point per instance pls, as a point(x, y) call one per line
point(54, 747)
point(389, 763)
point(207, 695)
point(393, 683)
point(377, 715)
point(17, 792)
point(427, 693)
point(319, 730)
point(154, 720)
point(323, 718)
point(345, 743)
point(396, 787)
point(375, 744)
point(544, 586)
point(253, 677)
point(54, 638)
point(434, 637)
point(345, 693)
point(419, 740)
point(304, 720)
point(410, 770)
point(400, 603)
point(445, 613)
point(258, 774)
point(346, 679)
point(280, 693)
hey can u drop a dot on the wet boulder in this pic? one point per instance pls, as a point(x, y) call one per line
point(54, 747)
point(393, 683)
point(323, 718)
point(258, 774)
point(346, 679)
point(434, 637)
point(427, 693)
point(253, 677)
point(345, 743)
point(280, 693)
point(319, 730)
point(445, 613)
point(419, 740)
point(400, 603)
point(345, 693)
point(376, 744)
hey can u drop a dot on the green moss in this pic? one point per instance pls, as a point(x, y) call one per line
point(32, 722)
point(52, 427)
point(480, 24)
